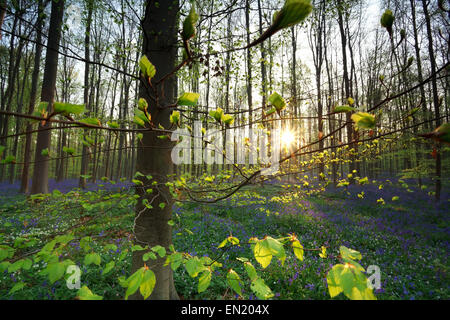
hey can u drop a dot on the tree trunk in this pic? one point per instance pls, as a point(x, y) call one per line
point(87, 44)
point(155, 158)
point(435, 94)
point(33, 95)
point(41, 165)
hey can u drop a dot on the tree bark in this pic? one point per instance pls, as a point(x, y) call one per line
point(155, 158)
point(41, 163)
point(87, 44)
point(435, 94)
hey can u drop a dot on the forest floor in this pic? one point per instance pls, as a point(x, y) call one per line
point(407, 238)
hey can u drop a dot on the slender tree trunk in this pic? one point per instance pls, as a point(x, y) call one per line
point(41, 165)
point(87, 56)
point(435, 94)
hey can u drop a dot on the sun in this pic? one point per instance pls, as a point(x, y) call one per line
point(287, 138)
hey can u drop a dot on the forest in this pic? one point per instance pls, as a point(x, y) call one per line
point(224, 150)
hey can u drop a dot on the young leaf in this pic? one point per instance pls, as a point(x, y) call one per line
point(86, 294)
point(109, 266)
point(261, 290)
point(68, 108)
point(17, 287)
point(387, 20)
point(142, 104)
point(292, 13)
point(262, 253)
point(204, 281)
point(147, 68)
point(92, 258)
point(161, 251)
point(134, 282)
point(341, 109)
point(298, 249)
point(233, 281)
point(148, 283)
point(364, 120)
point(189, 25)
point(55, 271)
point(350, 254)
point(277, 101)
point(188, 99)
point(251, 271)
point(92, 122)
point(194, 266)
point(175, 118)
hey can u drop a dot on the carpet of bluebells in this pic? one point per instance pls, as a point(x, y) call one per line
point(406, 235)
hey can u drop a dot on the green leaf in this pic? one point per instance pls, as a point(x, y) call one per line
point(147, 284)
point(189, 25)
point(68, 108)
point(91, 121)
point(9, 159)
point(364, 120)
point(6, 252)
point(341, 109)
point(251, 271)
point(113, 124)
point(2, 149)
point(142, 104)
point(175, 260)
point(204, 281)
point(227, 119)
point(140, 118)
point(223, 243)
point(323, 254)
point(276, 248)
point(217, 114)
point(194, 266)
point(92, 258)
point(86, 294)
point(18, 286)
point(20, 264)
point(175, 118)
point(271, 111)
point(137, 247)
point(4, 265)
point(55, 271)
point(149, 255)
point(298, 249)
point(349, 279)
point(188, 99)
point(147, 68)
point(134, 282)
point(233, 281)
point(45, 152)
point(261, 290)
point(265, 249)
point(161, 251)
point(277, 101)
point(333, 276)
point(109, 266)
point(262, 253)
point(292, 13)
point(387, 20)
point(349, 254)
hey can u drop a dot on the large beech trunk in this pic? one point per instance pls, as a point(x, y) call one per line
point(151, 227)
